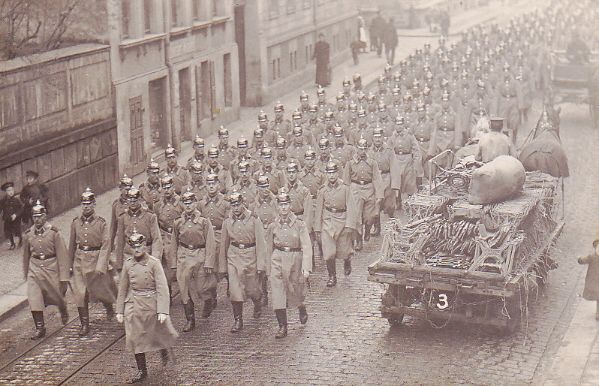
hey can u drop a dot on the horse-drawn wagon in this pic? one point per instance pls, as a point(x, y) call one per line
point(477, 264)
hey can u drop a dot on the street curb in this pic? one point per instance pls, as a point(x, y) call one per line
point(13, 302)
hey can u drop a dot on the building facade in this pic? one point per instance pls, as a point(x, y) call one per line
point(174, 67)
point(276, 42)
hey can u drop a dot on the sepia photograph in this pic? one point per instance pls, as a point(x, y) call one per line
point(311, 192)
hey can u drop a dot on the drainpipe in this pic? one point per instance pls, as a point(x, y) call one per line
point(172, 138)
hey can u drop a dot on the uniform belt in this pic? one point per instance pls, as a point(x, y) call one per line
point(165, 228)
point(87, 248)
point(361, 182)
point(423, 139)
point(287, 249)
point(192, 247)
point(145, 293)
point(242, 245)
point(385, 171)
point(41, 256)
point(299, 213)
point(217, 227)
point(313, 195)
point(446, 129)
point(335, 210)
point(402, 153)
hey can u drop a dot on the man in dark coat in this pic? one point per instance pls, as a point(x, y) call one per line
point(390, 40)
point(377, 29)
point(322, 55)
point(11, 208)
point(31, 193)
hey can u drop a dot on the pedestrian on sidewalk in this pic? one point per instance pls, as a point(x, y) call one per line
point(12, 209)
point(355, 50)
point(377, 27)
point(390, 39)
point(32, 192)
point(591, 281)
point(322, 55)
point(143, 305)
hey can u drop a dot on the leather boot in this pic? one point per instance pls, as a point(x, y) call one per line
point(264, 299)
point(40, 329)
point(190, 316)
point(347, 267)
point(367, 232)
point(332, 269)
point(303, 314)
point(376, 231)
point(109, 311)
point(164, 357)
point(358, 240)
point(64, 315)
point(207, 309)
point(142, 369)
point(84, 318)
point(282, 319)
point(238, 315)
point(257, 308)
point(214, 302)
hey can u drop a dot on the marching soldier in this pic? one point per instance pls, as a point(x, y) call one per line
point(242, 257)
point(281, 154)
point(324, 154)
point(199, 153)
point(141, 220)
point(257, 143)
point(226, 154)
point(180, 175)
point(331, 223)
point(143, 305)
point(46, 268)
point(119, 206)
point(89, 249)
point(480, 107)
point(196, 184)
point(423, 130)
point(297, 149)
point(270, 137)
point(323, 105)
point(280, 125)
point(444, 136)
point(313, 179)
point(275, 176)
point(150, 190)
point(494, 143)
point(304, 103)
point(289, 251)
point(214, 167)
point(242, 156)
point(508, 98)
point(406, 166)
point(342, 152)
point(214, 207)
point(266, 210)
point(383, 156)
point(366, 190)
point(167, 210)
point(194, 248)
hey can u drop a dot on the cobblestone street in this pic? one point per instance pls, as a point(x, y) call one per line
point(345, 341)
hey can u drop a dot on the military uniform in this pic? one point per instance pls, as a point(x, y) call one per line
point(383, 156)
point(180, 176)
point(444, 136)
point(167, 211)
point(366, 188)
point(265, 208)
point(150, 193)
point(301, 203)
point(145, 223)
point(406, 165)
point(247, 189)
point(215, 209)
point(330, 218)
point(119, 206)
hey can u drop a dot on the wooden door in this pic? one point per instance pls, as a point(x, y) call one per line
point(136, 127)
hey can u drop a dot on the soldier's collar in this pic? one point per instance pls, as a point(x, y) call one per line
point(153, 186)
point(172, 170)
point(334, 184)
point(170, 200)
point(245, 183)
point(289, 220)
point(135, 213)
point(89, 219)
point(39, 231)
point(193, 216)
point(293, 185)
point(263, 200)
point(241, 217)
point(143, 260)
point(212, 198)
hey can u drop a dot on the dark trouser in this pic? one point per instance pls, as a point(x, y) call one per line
point(379, 46)
point(354, 54)
point(12, 229)
point(390, 53)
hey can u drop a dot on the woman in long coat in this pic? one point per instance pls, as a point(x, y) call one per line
point(322, 55)
point(591, 281)
point(290, 251)
point(143, 304)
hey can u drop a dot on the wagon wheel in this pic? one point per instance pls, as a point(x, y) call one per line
point(393, 297)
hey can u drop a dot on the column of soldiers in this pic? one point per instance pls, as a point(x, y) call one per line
point(312, 187)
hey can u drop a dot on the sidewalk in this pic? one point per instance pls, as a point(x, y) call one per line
point(13, 290)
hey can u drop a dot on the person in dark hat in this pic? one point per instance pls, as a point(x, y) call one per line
point(12, 209)
point(32, 192)
point(46, 267)
point(494, 143)
point(89, 250)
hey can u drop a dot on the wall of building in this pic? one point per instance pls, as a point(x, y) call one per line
point(57, 117)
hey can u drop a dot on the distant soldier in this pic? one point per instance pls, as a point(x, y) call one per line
point(214, 167)
point(383, 156)
point(508, 98)
point(444, 136)
point(46, 268)
point(180, 175)
point(266, 210)
point(298, 147)
point(199, 151)
point(423, 130)
point(366, 190)
point(342, 152)
point(141, 220)
point(313, 179)
point(270, 137)
point(226, 154)
point(280, 125)
point(275, 176)
point(194, 248)
point(242, 257)
point(150, 190)
point(323, 105)
point(406, 166)
point(257, 143)
point(289, 251)
point(242, 156)
point(331, 223)
point(119, 206)
point(196, 184)
point(143, 305)
point(246, 184)
point(89, 249)
point(324, 154)
point(214, 207)
point(281, 154)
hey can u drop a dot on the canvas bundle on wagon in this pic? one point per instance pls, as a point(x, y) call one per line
point(455, 261)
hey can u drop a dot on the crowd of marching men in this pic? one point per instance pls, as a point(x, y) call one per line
point(311, 187)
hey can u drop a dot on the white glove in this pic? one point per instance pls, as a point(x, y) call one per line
point(119, 318)
point(162, 318)
point(306, 274)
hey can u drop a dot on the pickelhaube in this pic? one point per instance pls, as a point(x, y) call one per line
point(361, 113)
point(167, 182)
point(296, 115)
point(445, 96)
point(400, 120)
point(213, 152)
point(371, 98)
point(329, 115)
point(426, 91)
point(381, 80)
point(387, 69)
point(235, 198)
point(279, 108)
point(357, 77)
point(337, 130)
point(212, 178)
point(407, 97)
point(188, 197)
point(262, 117)
point(88, 197)
point(198, 142)
point(396, 91)
point(242, 143)
point(136, 239)
point(196, 167)
point(304, 96)
point(340, 97)
point(346, 82)
point(281, 143)
point(397, 77)
point(153, 167)
point(170, 152)
point(362, 144)
point(310, 154)
point(506, 67)
point(353, 107)
point(320, 91)
point(331, 167)
point(266, 153)
point(313, 108)
point(244, 167)
point(38, 209)
point(382, 107)
point(480, 83)
point(262, 181)
point(298, 131)
point(283, 196)
point(133, 194)
point(258, 133)
point(292, 167)
point(125, 182)
point(378, 132)
point(223, 132)
point(323, 143)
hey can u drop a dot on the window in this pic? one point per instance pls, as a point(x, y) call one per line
point(273, 9)
point(174, 13)
point(290, 6)
point(125, 16)
point(228, 81)
point(276, 68)
point(293, 61)
point(148, 16)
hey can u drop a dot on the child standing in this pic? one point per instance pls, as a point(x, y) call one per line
point(11, 208)
point(591, 281)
